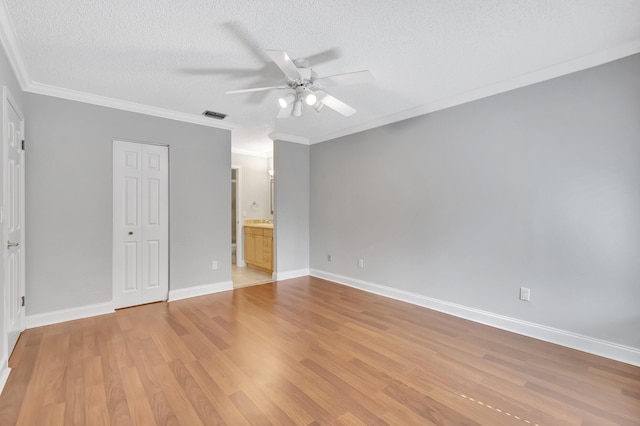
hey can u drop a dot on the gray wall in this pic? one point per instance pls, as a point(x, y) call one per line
point(8, 79)
point(537, 187)
point(69, 200)
point(291, 217)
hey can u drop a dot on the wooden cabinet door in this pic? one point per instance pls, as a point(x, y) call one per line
point(268, 252)
point(249, 247)
point(260, 251)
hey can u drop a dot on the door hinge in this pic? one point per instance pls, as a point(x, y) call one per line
point(22, 301)
point(23, 144)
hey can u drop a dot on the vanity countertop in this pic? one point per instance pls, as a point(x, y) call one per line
point(259, 223)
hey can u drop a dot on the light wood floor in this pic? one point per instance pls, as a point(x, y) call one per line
point(303, 352)
point(245, 276)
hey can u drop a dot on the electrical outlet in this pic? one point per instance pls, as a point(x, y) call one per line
point(214, 264)
point(328, 258)
point(525, 294)
point(360, 263)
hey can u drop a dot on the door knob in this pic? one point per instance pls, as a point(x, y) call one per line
point(130, 233)
point(10, 244)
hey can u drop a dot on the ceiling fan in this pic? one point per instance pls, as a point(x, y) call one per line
point(304, 85)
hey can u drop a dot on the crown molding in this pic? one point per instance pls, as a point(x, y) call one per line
point(544, 74)
point(10, 43)
point(11, 47)
point(289, 138)
point(74, 95)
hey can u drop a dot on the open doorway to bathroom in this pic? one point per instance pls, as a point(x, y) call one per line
point(250, 192)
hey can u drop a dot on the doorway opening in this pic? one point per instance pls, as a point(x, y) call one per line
point(242, 251)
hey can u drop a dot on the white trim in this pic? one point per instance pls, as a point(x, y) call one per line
point(88, 98)
point(528, 79)
point(199, 290)
point(11, 46)
point(87, 311)
point(290, 138)
point(287, 275)
point(4, 372)
point(580, 342)
point(9, 40)
point(240, 225)
point(70, 314)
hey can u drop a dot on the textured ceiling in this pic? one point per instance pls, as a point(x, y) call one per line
point(182, 55)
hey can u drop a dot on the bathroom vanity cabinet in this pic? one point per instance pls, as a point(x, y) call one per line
point(258, 246)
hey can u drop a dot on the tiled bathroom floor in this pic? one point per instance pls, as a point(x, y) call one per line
point(246, 276)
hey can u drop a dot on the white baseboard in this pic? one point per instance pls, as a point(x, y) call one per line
point(71, 314)
point(287, 275)
point(569, 339)
point(4, 372)
point(200, 290)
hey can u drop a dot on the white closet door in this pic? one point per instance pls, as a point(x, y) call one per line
point(155, 223)
point(14, 262)
point(140, 223)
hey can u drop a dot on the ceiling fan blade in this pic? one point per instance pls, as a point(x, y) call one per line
point(356, 77)
point(336, 104)
point(285, 63)
point(325, 56)
point(255, 89)
point(285, 112)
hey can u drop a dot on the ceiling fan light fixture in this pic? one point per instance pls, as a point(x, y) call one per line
point(319, 106)
point(297, 108)
point(286, 100)
point(310, 99)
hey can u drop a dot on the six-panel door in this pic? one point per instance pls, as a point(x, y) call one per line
point(140, 223)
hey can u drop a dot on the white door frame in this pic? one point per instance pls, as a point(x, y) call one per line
point(239, 225)
point(9, 102)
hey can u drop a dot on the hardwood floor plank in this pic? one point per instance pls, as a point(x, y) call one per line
point(215, 394)
point(198, 400)
point(425, 406)
point(52, 414)
point(144, 361)
point(602, 413)
point(363, 407)
point(271, 410)
point(288, 404)
point(177, 398)
point(13, 395)
point(305, 352)
point(249, 410)
point(140, 409)
point(96, 407)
